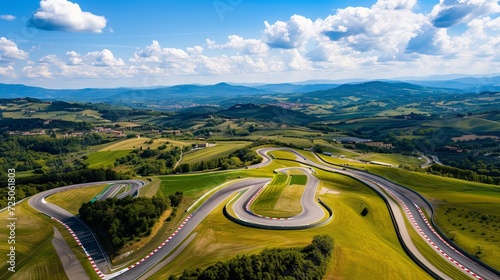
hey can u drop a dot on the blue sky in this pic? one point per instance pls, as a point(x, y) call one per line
point(83, 43)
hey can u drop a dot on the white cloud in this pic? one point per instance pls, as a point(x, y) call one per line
point(288, 35)
point(96, 64)
point(435, 41)
point(483, 36)
point(386, 26)
point(451, 12)
point(156, 54)
point(8, 72)
point(9, 51)
point(7, 17)
point(196, 50)
point(74, 58)
point(104, 58)
point(247, 46)
point(62, 15)
point(39, 71)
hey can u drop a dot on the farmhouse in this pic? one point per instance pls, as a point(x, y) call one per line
point(352, 140)
point(380, 145)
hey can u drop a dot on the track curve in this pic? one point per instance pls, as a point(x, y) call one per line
point(311, 216)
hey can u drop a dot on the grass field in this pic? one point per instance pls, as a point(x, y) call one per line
point(283, 155)
point(374, 249)
point(267, 199)
point(195, 185)
point(79, 116)
point(105, 158)
point(281, 198)
point(394, 159)
point(474, 125)
point(72, 200)
point(133, 143)
point(298, 179)
point(220, 150)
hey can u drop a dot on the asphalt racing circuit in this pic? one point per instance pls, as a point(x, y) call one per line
point(403, 204)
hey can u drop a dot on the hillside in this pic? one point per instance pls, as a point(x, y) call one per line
point(267, 113)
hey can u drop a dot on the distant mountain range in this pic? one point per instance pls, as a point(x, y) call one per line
point(224, 94)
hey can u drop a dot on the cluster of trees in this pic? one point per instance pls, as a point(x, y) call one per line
point(463, 174)
point(114, 115)
point(281, 263)
point(118, 221)
point(58, 146)
point(34, 123)
point(153, 161)
point(479, 164)
point(43, 154)
point(239, 158)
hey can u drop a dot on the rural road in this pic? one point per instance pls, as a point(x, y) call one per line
point(398, 197)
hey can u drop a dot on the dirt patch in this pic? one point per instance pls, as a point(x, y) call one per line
point(471, 137)
point(328, 191)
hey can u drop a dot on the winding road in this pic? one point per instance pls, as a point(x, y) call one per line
point(402, 203)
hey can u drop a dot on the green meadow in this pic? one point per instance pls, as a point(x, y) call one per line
point(105, 158)
point(221, 149)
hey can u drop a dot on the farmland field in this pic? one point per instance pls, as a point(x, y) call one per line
point(133, 143)
point(105, 158)
point(221, 149)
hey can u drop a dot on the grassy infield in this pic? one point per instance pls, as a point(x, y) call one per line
point(281, 198)
point(362, 244)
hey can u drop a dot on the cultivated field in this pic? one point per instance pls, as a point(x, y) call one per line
point(105, 158)
point(221, 149)
point(134, 143)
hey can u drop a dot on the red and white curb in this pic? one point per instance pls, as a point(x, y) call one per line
point(247, 207)
point(433, 245)
point(96, 269)
point(162, 244)
point(109, 276)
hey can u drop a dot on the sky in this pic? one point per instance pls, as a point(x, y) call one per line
point(85, 43)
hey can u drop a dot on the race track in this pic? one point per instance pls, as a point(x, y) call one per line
point(396, 197)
